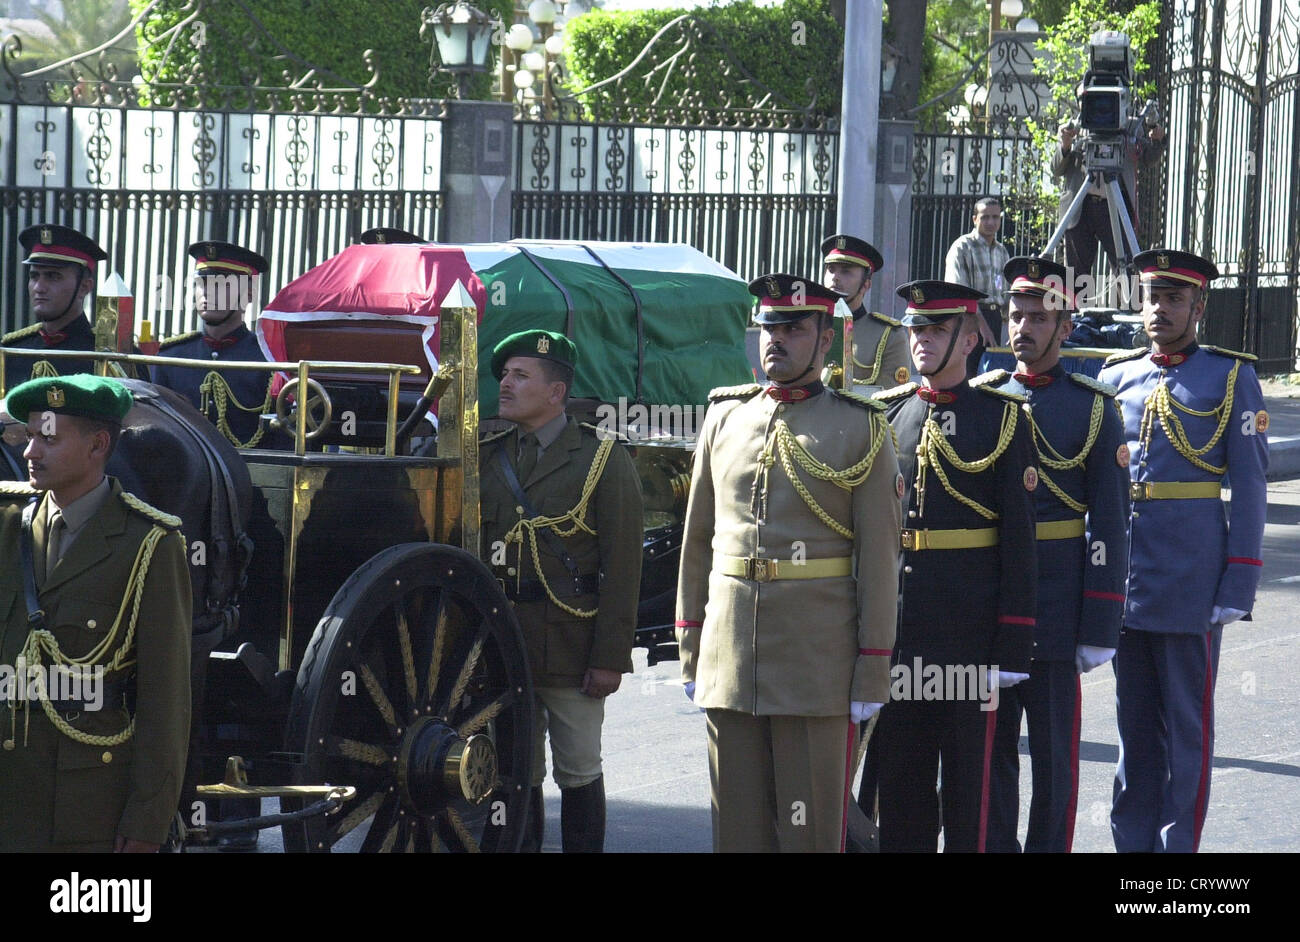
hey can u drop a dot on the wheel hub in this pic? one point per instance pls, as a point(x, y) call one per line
point(436, 766)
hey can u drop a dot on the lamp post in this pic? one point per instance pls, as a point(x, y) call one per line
point(462, 37)
point(530, 60)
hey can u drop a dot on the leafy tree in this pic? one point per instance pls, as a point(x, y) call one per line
point(84, 25)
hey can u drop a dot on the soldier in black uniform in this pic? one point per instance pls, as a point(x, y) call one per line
point(968, 582)
point(60, 275)
point(235, 400)
point(1082, 470)
point(386, 235)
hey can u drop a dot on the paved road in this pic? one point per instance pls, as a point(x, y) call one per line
point(656, 765)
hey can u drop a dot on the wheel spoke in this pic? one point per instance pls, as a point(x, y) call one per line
point(483, 716)
point(408, 659)
point(466, 671)
point(436, 846)
point(378, 696)
point(384, 828)
point(462, 833)
point(368, 753)
point(390, 838)
point(357, 815)
point(439, 644)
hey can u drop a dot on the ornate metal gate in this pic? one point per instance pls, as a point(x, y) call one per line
point(750, 183)
point(1233, 90)
point(293, 170)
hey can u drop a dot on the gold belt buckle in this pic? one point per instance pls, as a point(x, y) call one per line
point(910, 540)
point(1139, 490)
point(758, 569)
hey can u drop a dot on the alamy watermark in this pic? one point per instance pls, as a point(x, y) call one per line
point(33, 682)
point(638, 422)
point(919, 681)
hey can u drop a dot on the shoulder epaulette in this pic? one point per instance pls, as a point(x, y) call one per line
point(896, 393)
point(886, 319)
point(1096, 385)
point(17, 489)
point(996, 377)
point(862, 402)
point(150, 511)
point(179, 338)
point(734, 392)
point(1125, 355)
point(1001, 393)
point(1248, 357)
point(19, 334)
point(602, 432)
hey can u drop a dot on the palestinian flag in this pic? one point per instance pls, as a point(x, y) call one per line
point(656, 323)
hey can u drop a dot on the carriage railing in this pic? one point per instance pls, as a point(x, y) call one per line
point(300, 369)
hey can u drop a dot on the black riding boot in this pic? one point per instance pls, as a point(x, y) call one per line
point(535, 826)
point(582, 818)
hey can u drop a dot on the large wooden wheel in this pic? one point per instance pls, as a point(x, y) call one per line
point(414, 688)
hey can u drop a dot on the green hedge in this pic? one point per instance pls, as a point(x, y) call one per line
point(763, 40)
point(326, 34)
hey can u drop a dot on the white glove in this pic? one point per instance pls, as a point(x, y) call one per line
point(999, 678)
point(1226, 616)
point(690, 690)
point(1089, 657)
point(860, 711)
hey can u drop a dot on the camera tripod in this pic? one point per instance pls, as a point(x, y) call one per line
point(1122, 233)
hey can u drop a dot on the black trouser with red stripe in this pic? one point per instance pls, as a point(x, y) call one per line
point(1050, 699)
point(913, 736)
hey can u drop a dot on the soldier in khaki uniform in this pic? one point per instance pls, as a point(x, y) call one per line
point(880, 355)
point(98, 769)
point(553, 491)
point(788, 589)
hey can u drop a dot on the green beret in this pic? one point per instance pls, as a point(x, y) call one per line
point(83, 394)
point(543, 344)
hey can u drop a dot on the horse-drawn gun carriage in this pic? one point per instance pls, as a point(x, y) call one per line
point(349, 646)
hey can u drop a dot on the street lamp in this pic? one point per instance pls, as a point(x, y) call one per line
point(462, 36)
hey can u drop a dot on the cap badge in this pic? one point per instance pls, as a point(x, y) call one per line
point(543, 344)
point(380, 238)
point(841, 243)
point(55, 398)
point(1162, 260)
point(212, 251)
point(47, 235)
point(1034, 270)
point(773, 289)
point(918, 296)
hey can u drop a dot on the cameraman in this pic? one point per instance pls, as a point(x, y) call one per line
point(1093, 222)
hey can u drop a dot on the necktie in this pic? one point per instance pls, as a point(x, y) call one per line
point(54, 541)
point(527, 457)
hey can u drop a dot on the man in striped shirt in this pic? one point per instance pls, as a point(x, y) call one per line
point(976, 260)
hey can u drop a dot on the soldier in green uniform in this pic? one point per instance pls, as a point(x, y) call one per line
point(95, 589)
point(60, 276)
point(562, 529)
point(788, 588)
point(880, 355)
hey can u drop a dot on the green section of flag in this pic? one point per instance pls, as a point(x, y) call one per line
point(692, 335)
